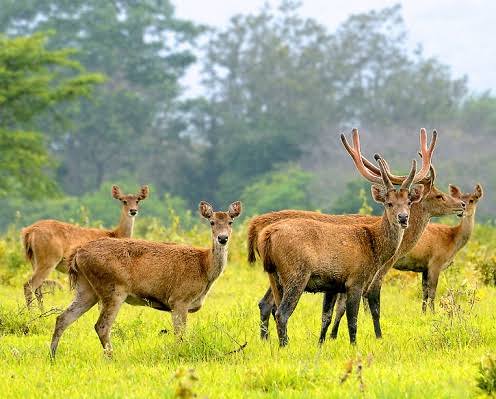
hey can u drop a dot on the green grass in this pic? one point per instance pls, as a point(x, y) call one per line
point(435, 356)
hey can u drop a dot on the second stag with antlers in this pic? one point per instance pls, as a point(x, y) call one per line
point(309, 255)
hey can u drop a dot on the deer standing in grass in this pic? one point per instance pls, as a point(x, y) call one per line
point(434, 203)
point(48, 243)
point(439, 245)
point(433, 253)
point(309, 255)
point(169, 277)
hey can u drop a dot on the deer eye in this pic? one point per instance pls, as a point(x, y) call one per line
point(124, 202)
point(229, 223)
point(390, 204)
point(471, 201)
point(212, 223)
point(439, 197)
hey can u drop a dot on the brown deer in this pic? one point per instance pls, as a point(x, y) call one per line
point(308, 255)
point(439, 245)
point(434, 203)
point(47, 243)
point(433, 253)
point(169, 277)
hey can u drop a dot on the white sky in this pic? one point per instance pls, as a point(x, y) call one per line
point(460, 33)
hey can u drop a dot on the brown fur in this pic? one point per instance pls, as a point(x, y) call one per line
point(310, 255)
point(438, 246)
point(47, 243)
point(164, 276)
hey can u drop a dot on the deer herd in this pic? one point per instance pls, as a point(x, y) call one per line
point(343, 256)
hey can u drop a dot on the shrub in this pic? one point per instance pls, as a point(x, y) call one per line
point(486, 380)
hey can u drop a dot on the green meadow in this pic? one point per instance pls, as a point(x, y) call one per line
point(435, 355)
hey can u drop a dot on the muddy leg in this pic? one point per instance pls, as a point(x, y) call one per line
point(433, 278)
point(108, 313)
point(266, 306)
point(327, 308)
point(353, 297)
point(85, 299)
point(425, 292)
point(374, 300)
point(290, 298)
point(340, 311)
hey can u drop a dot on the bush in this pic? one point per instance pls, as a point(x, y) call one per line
point(486, 380)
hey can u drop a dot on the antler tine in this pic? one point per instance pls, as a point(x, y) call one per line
point(384, 174)
point(409, 180)
point(357, 157)
point(425, 154)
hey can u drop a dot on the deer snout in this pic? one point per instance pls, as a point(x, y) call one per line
point(403, 219)
point(222, 239)
point(133, 212)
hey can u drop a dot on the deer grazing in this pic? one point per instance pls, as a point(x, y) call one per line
point(48, 243)
point(309, 255)
point(168, 277)
point(433, 203)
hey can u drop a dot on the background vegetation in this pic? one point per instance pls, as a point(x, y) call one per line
point(277, 89)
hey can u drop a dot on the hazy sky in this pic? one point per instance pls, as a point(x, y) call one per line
point(461, 33)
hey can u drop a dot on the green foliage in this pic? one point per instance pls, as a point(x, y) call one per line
point(355, 199)
point(286, 188)
point(33, 80)
point(486, 380)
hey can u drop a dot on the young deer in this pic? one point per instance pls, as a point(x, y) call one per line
point(47, 243)
point(169, 277)
point(438, 246)
point(309, 255)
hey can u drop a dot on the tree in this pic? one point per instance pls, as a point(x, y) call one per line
point(33, 80)
point(144, 50)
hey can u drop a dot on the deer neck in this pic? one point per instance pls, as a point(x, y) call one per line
point(419, 219)
point(217, 260)
point(125, 227)
point(464, 230)
point(388, 239)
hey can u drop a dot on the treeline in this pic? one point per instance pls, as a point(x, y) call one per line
point(277, 90)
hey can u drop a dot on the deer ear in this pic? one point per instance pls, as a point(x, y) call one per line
point(234, 209)
point(478, 191)
point(455, 192)
point(143, 193)
point(206, 209)
point(116, 192)
point(416, 193)
point(378, 193)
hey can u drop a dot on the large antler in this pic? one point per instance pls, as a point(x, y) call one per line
point(358, 160)
point(425, 153)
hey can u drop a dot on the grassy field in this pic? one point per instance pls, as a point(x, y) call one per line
point(420, 356)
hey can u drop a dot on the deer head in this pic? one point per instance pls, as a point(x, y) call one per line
point(130, 202)
point(397, 202)
point(470, 199)
point(220, 222)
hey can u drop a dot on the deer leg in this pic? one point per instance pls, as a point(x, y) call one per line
point(179, 316)
point(290, 298)
point(353, 297)
point(108, 313)
point(85, 299)
point(327, 308)
point(267, 306)
point(433, 278)
point(40, 272)
point(425, 292)
point(340, 311)
point(374, 301)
